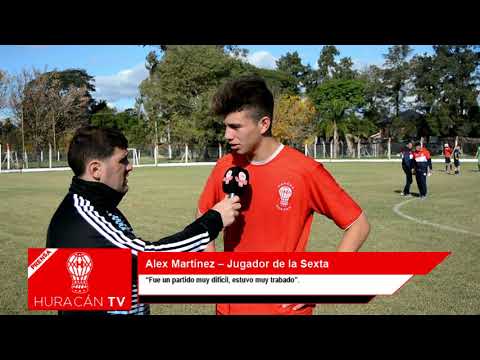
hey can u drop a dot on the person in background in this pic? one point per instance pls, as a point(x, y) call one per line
point(456, 159)
point(447, 153)
point(429, 161)
point(422, 163)
point(478, 157)
point(407, 166)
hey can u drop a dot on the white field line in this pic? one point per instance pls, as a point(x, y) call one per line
point(397, 207)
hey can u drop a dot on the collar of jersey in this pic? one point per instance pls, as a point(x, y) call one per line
point(270, 158)
point(96, 192)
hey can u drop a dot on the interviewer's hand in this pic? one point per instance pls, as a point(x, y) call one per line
point(228, 209)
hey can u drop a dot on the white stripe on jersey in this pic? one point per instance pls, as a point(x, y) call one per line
point(119, 239)
point(422, 158)
point(78, 203)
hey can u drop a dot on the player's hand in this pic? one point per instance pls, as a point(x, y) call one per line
point(228, 209)
point(295, 306)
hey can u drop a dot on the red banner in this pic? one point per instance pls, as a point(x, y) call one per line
point(320, 263)
point(79, 279)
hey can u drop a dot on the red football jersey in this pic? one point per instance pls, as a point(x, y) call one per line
point(421, 155)
point(447, 152)
point(277, 213)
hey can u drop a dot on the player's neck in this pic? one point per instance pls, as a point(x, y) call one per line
point(264, 150)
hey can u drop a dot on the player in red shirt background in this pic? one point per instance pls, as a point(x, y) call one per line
point(447, 153)
point(429, 160)
point(286, 188)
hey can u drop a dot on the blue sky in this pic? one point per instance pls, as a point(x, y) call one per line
point(119, 69)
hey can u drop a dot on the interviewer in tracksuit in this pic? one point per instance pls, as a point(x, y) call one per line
point(88, 216)
point(422, 166)
point(407, 166)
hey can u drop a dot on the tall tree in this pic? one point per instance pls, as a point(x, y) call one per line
point(427, 89)
point(459, 81)
point(3, 89)
point(128, 121)
point(447, 89)
point(326, 63)
point(356, 129)
point(233, 50)
point(46, 107)
point(17, 99)
point(291, 64)
point(149, 103)
point(344, 69)
point(35, 108)
point(278, 82)
point(77, 79)
point(176, 90)
point(376, 107)
point(182, 81)
point(294, 120)
point(336, 100)
point(66, 105)
point(329, 68)
point(99, 105)
point(10, 133)
point(397, 74)
point(105, 118)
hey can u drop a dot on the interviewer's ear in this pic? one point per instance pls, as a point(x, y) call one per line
point(94, 169)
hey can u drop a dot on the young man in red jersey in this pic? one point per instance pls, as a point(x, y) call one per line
point(447, 153)
point(429, 157)
point(286, 189)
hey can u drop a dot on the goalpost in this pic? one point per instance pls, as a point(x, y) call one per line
point(9, 160)
point(135, 158)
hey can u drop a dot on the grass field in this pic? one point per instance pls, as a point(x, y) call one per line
point(163, 200)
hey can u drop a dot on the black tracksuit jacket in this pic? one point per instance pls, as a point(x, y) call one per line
point(88, 217)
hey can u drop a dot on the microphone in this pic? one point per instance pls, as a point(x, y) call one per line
point(235, 181)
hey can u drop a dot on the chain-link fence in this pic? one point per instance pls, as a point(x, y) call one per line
point(383, 148)
point(468, 146)
point(14, 158)
point(174, 153)
point(378, 149)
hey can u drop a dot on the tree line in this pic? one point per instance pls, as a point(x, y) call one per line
point(407, 97)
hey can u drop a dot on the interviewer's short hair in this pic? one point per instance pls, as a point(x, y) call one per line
point(245, 93)
point(92, 142)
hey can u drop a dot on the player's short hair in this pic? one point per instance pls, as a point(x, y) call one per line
point(92, 142)
point(245, 93)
